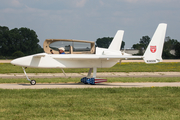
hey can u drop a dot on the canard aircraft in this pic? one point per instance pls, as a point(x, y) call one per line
point(94, 58)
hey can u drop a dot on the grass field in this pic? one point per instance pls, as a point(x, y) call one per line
point(123, 67)
point(105, 103)
point(77, 80)
point(99, 103)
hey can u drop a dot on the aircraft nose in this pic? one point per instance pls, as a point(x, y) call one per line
point(18, 62)
point(14, 62)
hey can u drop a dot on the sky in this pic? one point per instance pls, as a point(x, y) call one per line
point(92, 19)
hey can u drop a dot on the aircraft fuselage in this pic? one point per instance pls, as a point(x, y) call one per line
point(63, 61)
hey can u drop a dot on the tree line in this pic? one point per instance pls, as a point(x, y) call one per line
point(106, 41)
point(18, 42)
point(24, 41)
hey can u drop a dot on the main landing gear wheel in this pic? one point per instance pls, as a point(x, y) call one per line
point(33, 82)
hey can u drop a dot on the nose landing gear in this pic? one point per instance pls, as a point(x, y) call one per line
point(33, 82)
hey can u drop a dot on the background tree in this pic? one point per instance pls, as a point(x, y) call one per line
point(18, 54)
point(22, 40)
point(142, 45)
point(144, 41)
point(169, 45)
point(3, 42)
point(122, 45)
point(177, 50)
point(106, 41)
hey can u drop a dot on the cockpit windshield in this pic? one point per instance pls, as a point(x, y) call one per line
point(70, 46)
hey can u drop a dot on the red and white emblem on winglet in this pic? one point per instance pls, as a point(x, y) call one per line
point(153, 49)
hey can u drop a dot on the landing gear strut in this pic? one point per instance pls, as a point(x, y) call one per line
point(33, 82)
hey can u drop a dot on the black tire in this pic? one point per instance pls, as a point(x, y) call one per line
point(93, 84)
point(33, 82)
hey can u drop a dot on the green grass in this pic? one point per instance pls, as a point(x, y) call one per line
point(123, 67)
point(100, 103)
point(77, 80)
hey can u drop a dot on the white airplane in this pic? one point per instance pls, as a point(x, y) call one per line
point(103, 58)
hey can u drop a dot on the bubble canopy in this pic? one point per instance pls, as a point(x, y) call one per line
point(70, 46)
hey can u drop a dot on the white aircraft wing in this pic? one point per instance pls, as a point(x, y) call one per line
point(95, 57)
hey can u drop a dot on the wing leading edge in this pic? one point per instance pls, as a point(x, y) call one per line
point(95, 57)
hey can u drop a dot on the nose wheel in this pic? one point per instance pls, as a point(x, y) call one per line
point(33, 82)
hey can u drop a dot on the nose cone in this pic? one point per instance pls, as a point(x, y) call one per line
point(29, 61)
point(23, 61)
point(15, 62)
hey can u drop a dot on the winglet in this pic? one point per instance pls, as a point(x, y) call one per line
point(154, 50)
point(116, 42)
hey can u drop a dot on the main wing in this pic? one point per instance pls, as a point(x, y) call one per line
point(82, 56)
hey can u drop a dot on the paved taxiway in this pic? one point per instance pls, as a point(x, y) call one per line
point(103, 74)
point(81, 85)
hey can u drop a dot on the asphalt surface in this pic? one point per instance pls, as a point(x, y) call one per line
point(81, 85)
point(103, 74)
